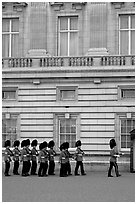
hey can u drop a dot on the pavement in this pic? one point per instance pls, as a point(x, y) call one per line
point(94, 187)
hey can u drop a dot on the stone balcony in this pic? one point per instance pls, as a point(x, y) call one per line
point(79, 61)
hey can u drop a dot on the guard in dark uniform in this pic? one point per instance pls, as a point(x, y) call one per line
point(43, 159)
point(16, 156)
point(52, 154)
point(79, 159)
point(28, 156)
point(7, 157)
point(24, 158)
point(68, 155)
point(34, 154)
point(63, 161)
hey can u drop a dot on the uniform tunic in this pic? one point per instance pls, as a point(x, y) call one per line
point(16, 155)
point(7, 158)
point(63, 163)
point(34, 154)
point(43, 160)
point(52, 153)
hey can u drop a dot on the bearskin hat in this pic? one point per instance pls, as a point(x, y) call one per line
point(16, 143)
point(7, 143)
point(78, 143)
point(66, 145)
point(112, 143)
point(23, 143)
point(62, 146)
point(34, 143)
point(45, 144)
point(27, 142)
point(41, 146)
point(51, 144)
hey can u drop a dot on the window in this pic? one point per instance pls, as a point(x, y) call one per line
point(67, 131)
point(127, 34)
point(10, 37)
point(9, 93)
point(68, 36)
point(68, 93)
point(126, 126)
point(128, 93)
point(9, 129)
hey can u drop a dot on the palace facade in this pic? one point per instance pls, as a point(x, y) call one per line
point(68, 73)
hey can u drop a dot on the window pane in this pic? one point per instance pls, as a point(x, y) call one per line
point(62, 139)
point(133, 42)
point(128, 144)
point(129, 93)
point(62, 126)
point(73, 140)
point(15, 25)
point(5, 25)
point(9, 94)
point(73, 23)
point(123, 145)
point(14, 45)
point(124, 42)
point(67, 95)
point(63, 23)
point(5, 45)
point(124, 22)
point(63, 44)
point(123, 126)
point(73, 44)
point(132, 21)
point(68, 138)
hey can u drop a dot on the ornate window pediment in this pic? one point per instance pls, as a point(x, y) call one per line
point(11, 6)
point(57, 5)
point(78, 5)
point(118, 5)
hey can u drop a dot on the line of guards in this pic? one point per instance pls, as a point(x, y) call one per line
point(45, 158)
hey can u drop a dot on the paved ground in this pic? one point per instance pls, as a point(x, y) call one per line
point(94, 187)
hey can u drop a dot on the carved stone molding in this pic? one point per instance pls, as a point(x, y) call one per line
point(57, 5)
point(78, 5)
point(118, 5)
point(12, 6)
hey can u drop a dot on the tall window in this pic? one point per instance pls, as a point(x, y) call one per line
point(10, 37)
point(9, 129)
point(68, 36)
point(67, 131)
point(127, 34)
point(126, 126)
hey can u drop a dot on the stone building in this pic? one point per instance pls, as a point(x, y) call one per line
point(68, 73)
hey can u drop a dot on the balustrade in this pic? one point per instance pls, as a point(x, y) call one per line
point(69, 61)
point(19, 62)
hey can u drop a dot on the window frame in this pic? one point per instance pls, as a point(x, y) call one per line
point(129, 30)
point(12, 116)
point(56, 135)
point(121, 88)
point(124, 118)
point(10, 33)
point(68, 31)
point(66, 88)
point(10, 89)
point(59, 133)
